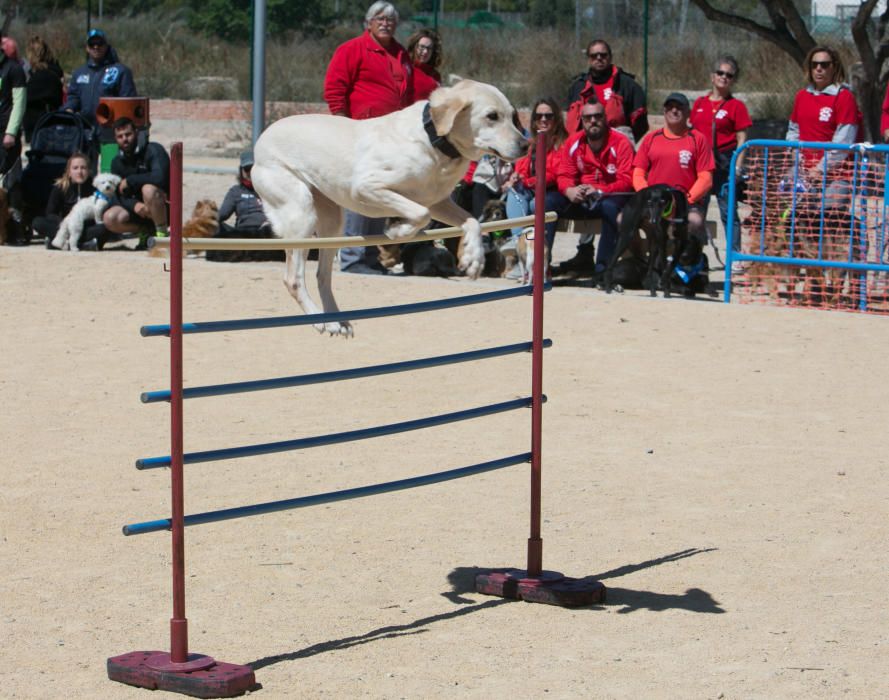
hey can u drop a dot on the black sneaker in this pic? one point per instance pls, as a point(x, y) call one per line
point(582, 262)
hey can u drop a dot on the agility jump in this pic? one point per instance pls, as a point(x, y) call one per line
point(197, 674)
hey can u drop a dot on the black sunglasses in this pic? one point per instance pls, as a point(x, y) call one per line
point(820, 64)
point(724, 74)
point(544, 115)
point(586, 118)
point(598, 54)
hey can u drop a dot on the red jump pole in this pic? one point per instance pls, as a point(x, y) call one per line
point(533, 584)
point(178, 671)
point(535, 543)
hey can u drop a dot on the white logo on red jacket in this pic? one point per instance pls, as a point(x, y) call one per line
point(721, 114)
point(824, 114)
point(684, 158)
point(607, 94)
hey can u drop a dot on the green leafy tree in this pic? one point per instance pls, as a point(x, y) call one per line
point(231, 19)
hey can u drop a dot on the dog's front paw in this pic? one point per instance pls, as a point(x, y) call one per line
point(58, 242)
point(472, 262)
point(402, 228)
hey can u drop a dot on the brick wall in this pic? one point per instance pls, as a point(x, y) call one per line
point(226, 110)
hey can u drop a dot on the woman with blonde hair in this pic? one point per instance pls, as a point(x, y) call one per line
point(45, 83)
point(74, 185)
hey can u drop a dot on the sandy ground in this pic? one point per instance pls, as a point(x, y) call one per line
point(721, 468)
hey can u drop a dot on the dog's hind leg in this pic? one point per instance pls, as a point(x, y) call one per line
point(288, 205)
point(330, 221)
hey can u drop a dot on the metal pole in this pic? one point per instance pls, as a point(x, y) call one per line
point(178, 623)
point(645, 46)
point(258, 68)
point(535, 543)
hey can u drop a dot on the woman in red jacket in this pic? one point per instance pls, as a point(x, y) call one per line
point(546, 120)
point(424, 48)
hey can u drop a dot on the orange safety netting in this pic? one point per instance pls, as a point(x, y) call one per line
point(793, 207)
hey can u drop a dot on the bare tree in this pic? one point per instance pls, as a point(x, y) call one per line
point(787, 30)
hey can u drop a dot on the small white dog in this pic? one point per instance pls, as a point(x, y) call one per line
point(402, 166)
point(87, 210)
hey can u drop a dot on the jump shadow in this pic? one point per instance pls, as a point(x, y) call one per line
point(462, 581)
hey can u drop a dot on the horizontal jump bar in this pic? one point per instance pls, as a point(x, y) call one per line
point(338, 241)
point(335, 438)
point(806, 262)
point(311, 319)
point(339, 375)
point(317, 499)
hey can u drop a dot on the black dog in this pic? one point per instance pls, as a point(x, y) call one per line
point(662, 213)
point(426, 259)
point(691, 268)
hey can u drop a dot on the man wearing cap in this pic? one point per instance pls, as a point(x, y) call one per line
point(103, 75)
point(144, 169)
point(678, 156)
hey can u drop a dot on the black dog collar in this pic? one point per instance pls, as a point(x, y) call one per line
point(439, 142)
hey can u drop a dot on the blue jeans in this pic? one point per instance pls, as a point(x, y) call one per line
point(359, 225)
point(606, 208)
point(520, 202)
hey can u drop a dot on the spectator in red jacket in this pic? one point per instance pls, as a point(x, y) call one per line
point(368, 76)
point(546, 120)
point(678, 156)
point(424, 48)
point(595, 179)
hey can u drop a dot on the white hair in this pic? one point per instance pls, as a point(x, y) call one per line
point(381, 8)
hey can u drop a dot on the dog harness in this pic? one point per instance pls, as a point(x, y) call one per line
point(100, 195)
point(687, 274)
point(439, 142)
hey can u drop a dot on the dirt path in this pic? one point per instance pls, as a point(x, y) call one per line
point(720, 468)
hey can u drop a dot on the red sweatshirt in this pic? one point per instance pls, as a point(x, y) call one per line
point(609, 169)
point(364, 80)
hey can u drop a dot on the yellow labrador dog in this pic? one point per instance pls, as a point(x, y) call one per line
point(403, 166)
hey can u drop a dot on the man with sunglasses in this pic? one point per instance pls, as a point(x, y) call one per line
point(103, 75)
point(618, 90)
point(595, 178)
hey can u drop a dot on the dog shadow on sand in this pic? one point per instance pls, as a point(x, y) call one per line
point(462, 582)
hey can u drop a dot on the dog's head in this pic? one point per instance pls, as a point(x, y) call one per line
point(690, 251)
point(478, 119)
point(660, 203)
point(106, 183)
point(205, 209)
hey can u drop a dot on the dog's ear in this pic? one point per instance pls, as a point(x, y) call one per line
point(446, 103)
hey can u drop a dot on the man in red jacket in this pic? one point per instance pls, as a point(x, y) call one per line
point(595, 176)
point(368, 76)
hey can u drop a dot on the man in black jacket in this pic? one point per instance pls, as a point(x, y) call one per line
point(622, 96)
point(145, 180)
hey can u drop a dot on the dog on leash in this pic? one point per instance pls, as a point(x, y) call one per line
point(88, 210)
point(403, 166)
point(661, 212)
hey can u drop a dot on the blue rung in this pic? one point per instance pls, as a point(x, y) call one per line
point(311, 319)
point(305, 501)
point(334, 438)
point(321, 377)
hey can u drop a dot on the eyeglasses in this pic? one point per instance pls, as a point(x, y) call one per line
point(587, 118)
point(424, 47)
point(820, 64)
point(544, 115)
point(384, 20)
point(724, 74)
point(597, 54)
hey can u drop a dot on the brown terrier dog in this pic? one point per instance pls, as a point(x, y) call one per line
point(204, 223)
